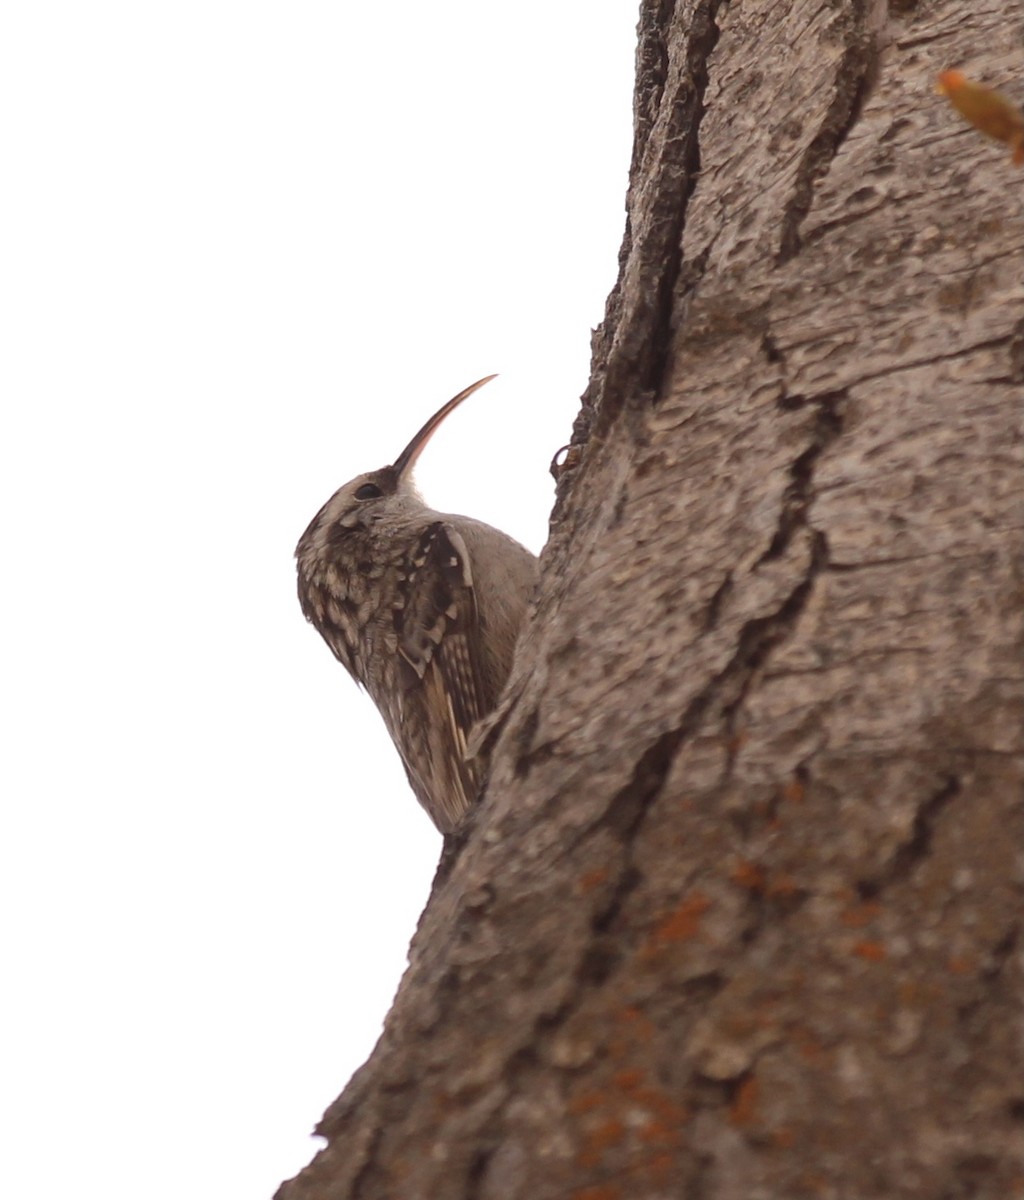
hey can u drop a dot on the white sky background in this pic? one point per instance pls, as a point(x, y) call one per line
point(247, 249)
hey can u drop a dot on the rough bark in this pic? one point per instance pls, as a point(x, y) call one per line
point(739, 914)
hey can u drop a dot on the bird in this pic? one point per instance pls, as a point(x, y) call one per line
point(423, 609)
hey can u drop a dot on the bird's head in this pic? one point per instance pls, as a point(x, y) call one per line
point(379, 500)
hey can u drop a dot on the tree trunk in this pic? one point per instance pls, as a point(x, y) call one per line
point(738, 916)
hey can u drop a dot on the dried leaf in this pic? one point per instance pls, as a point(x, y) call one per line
point(986, 109)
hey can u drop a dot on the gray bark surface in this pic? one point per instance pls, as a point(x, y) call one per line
point(739, 915)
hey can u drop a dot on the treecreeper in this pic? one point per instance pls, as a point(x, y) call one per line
point(422, 609)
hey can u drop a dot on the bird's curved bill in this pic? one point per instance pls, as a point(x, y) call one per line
point(407, 459)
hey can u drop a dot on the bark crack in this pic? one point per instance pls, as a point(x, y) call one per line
point(714, 606)
point(761, 635)
point(704, 34)
point(630, 346)
point(917, 846)
point(757, 638)
point(928, 360)
point(856, 68)
point(799, 493)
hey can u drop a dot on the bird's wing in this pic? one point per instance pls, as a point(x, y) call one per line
point(443, 692)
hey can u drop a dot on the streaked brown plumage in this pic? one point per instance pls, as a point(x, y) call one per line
point(423, 610)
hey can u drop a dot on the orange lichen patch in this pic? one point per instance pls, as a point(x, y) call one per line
point(744, 1106)
point(986, 109)
point(444, 1101)
point(810, 1049)
point(641, 1026)
point(871, 951)
point(683, 923)
point(737, 742)
point(783, 887)
point(661, 1105)
point(659, 1133)
point(860, 915)
point(794, 791)
point(586, 1102)
point(814, 1183)
point(916, 993)
point(592, 879)
point(958, 965)
point(659, 1166)
point(628, 1079)
point(747, 874)
point(633, 1029)
point(601, 1192)
point(617, 1049)
point(599, 1141)
point(909, 993)
point(783, 1138)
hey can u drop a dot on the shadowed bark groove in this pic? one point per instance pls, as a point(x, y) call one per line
point(918, 844)
point(739, 914)
point(855, 72)
point(633, 339)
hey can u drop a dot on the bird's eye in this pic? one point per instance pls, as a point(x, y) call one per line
point(369, 491)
